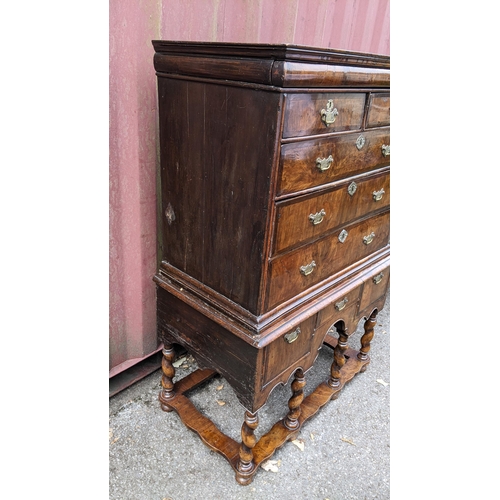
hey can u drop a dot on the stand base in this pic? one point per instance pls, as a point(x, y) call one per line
point(278, 435)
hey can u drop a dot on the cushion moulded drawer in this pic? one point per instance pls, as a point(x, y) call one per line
point(311, 163)
point(309, 217)
point(296, 271)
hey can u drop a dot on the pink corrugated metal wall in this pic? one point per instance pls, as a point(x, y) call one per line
point(360, 25)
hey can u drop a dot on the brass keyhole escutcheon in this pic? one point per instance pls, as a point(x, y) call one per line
point(360, 142)
point(351, 189)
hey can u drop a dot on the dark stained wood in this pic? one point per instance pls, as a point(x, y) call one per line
point(332, 208)
point(217, 145)
point(253, 371)
point(375, 287)
point(210, 344)
point(255, 70)
point(193, 380)
point(299, 170)
point(379, 110)
point(367, 337)
point(303, 113)
point(292, 419)
point(280, 355)
point(338, 355)
point(329, 256)
point(246, 457)
point(295, 74)
point(167, 377)
point(344, 308)
point(287, 52)
point(260, 331)
point(246, 282)
point(208, 432)
point(245, 467)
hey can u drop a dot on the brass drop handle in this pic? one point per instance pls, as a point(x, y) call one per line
point(377, 279)
point(368, 239)
point(292, 336)
point(386, 149)
point(324, 163)
point(306, 270)
point(329, 115)
point(341, 304)
point(378, 195)
point(318, 217)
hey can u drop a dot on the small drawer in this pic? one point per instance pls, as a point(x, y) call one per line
point(308, 217)
point(344, 307)
point(323, 113)
point(308, 164)
point(300, 269)
point(287, 351)
point(374, 287)
point(379, 109)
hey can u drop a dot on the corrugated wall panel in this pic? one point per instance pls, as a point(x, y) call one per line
point(343, 24)
point(361, 25)
point(132, 166)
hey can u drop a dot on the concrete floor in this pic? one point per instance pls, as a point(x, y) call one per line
point(346, 445)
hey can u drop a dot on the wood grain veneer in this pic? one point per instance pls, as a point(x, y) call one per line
point(274, 225)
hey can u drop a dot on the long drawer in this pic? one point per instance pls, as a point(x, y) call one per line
point(315, 162)
point(307, 217)
point(296, 271)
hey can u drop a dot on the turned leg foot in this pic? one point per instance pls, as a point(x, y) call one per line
point(167, 393)
point(292, 419)
point(338, 356)
point(246, 467)
point(366, 339)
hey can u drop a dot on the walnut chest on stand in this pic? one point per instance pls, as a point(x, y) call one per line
point(274, 232)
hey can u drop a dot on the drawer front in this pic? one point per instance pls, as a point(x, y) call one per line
point(374, 287)
point(302, 74)
point(323, 113)
point(312, 163)
point(288, 351)
point(344, 307)
point(312, 216)
point(298, 270)
point(378, 110)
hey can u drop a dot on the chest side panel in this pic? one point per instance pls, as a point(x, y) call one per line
point(217, 154)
